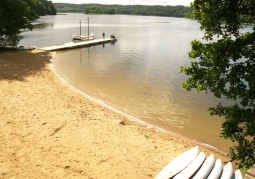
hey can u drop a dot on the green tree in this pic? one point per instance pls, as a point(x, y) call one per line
point(15, 15)
point(43, 7)
point(225, 65)
point(39, 8)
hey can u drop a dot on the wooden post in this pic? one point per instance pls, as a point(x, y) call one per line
point(88, 27)
point(80, 28)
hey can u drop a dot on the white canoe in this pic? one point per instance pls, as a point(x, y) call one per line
point(237, 175)
point(227, 171)
point(192, 167)
point(178, 164)
point(206, 168)
point(216, 171)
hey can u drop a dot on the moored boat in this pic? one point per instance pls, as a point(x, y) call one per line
point(84, 38)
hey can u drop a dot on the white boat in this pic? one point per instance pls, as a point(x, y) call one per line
point(205, 168)
point(192, 167)
point(237, 175)
point(178, 163)
point(227, 171)
point(84, 38)
point(216, 171)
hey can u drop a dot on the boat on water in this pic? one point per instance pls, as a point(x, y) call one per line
point(83, 37)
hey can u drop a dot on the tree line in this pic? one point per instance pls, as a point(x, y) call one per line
point(99, 10)
point(167, 11)
point(43, 7)
point(18, 14)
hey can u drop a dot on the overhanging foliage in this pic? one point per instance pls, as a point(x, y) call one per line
point(18, 14)
point(225, 65)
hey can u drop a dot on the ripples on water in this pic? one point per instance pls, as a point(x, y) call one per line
point(139, 73)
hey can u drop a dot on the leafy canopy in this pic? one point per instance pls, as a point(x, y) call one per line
point(18, 14)
point(225, 65)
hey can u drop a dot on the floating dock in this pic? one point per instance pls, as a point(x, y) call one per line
point(78, 44)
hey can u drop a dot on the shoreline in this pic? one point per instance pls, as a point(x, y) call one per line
point(134, 119)
point(50, 130)
point(130, 117)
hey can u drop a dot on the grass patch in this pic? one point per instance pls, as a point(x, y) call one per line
point(146, 136)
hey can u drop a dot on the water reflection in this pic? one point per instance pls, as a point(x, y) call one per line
point(81, 56)
point(44, 25)
point(144, 90)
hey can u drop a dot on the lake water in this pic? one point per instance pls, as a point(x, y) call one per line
point(137, 75)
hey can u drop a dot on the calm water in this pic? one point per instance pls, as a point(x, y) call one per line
point(139, 73)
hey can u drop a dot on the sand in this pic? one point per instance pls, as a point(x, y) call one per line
point(49, 130)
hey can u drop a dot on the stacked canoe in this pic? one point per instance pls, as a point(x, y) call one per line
point(194, 164)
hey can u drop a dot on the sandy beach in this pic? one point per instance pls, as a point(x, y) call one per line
point(49, 130)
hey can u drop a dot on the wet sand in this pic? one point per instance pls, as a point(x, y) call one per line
point(49, 130)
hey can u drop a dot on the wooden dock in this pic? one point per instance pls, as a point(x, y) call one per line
point(78, 44)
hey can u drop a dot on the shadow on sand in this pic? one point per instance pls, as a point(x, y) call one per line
point(18, 65)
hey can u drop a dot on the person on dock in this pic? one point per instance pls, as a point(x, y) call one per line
point(112, 36)
point(103, 34)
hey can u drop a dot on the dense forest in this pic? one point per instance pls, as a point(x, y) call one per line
point(44, 7)
point(168, 11)
point(99, 10)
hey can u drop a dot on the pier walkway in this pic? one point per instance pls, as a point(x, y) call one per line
point(78, 44)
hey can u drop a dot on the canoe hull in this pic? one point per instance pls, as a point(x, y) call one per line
point(178, 164)
point(206, 168)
